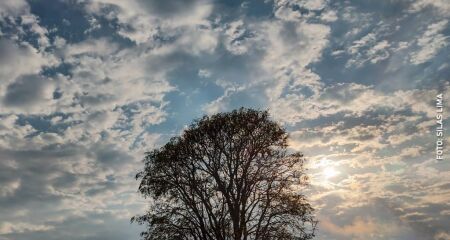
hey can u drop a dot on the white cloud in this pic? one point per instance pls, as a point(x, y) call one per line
point(379, 52)
point(99, 47)
point(352, 98)
point(20, 65)
point(17, 227)
point(441, 6)
point(13, 134)
point(204, 73)
point(13, 8)
point(359, 228)
point(288, 10)
point(20, 59)
point(33, 22)
point(236, 40)
point(430, 43)
point(222, 103)
point(9, 188)
point(442, 236)
point(142, 19)
point(17, 15)
point(290, 49)
point(329, 16)
point(370, 48)
point(197, 41)
point(103, 78)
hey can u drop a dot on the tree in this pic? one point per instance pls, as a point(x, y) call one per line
point(228, 176)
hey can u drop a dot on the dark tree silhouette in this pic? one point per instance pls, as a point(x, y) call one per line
point(228, 176)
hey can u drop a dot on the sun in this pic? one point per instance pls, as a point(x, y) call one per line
point(329, 172)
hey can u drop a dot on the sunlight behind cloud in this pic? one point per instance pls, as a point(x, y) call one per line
point(329, 172)
point(323, 173)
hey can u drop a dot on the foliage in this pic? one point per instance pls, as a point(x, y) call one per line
point(228, 176)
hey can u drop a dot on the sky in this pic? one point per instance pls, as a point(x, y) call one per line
point(87, 86)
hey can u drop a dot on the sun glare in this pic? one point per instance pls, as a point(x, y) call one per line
point(329, 172)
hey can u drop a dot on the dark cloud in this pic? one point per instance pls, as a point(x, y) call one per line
point(28, 90)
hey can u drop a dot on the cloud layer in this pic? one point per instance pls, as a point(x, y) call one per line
point(88, 86)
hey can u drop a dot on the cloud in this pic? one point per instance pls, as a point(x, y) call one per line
point(348, 98)
point(204, 73)
point(98, 47)
point(13, 8)
point(20, 59)
point(19, 23)
point(80, 108)
point(291, 48)
point(292, 10)
point(430, 43)
point(24, 88)
point(8, 228)
point(9, 189)
point(371, 48)
point(192, 11)
point(440, 6)
point(237, 41)
point(442, 236)
point(140, 20)
point(358, 228)
point(28, 91)
point(32, 22)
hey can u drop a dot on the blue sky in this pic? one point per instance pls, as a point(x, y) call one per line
point(87, 86)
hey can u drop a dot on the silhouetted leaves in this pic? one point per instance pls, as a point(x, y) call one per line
point(228, 176)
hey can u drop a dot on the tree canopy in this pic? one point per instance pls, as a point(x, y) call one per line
point(228, 176)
